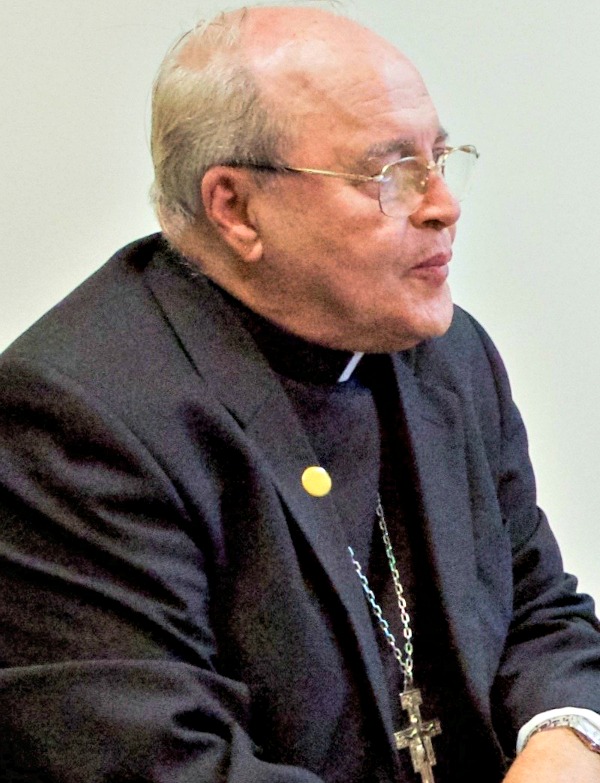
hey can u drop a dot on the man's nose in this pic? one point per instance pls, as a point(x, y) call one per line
point(439, 208)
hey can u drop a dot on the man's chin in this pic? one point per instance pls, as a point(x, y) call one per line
point(393, 342)
point(408, 334)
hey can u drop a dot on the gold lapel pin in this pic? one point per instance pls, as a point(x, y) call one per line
point(316, 481)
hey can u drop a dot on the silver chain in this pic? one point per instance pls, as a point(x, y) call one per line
point(405, 660)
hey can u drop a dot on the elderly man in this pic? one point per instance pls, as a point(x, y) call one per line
point(267, 509)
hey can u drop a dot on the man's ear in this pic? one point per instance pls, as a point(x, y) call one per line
point(226, 195)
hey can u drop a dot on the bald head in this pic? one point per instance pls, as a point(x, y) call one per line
point(310, 62)
point(276, 34)
point(276, 37)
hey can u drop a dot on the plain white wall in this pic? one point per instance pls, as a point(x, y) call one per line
point(518, 79)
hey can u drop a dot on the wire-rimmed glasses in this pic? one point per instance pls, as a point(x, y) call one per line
point(404, 182)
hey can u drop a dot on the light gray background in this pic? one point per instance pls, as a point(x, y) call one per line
point(520, 79)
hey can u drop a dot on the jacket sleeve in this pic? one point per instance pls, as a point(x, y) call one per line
point(552, 653)
point(109, 663)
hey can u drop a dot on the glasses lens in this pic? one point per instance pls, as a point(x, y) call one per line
point(457, 170)
point(405, 182)
point(403, 187)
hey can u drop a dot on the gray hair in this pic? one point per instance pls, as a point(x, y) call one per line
point(206, 110)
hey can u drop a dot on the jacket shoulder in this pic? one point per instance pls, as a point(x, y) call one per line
point(103, 303)
point(466, 362)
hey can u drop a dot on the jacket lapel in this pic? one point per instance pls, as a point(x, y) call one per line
point(318, 520)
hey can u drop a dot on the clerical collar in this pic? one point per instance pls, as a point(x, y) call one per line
point(293, 356)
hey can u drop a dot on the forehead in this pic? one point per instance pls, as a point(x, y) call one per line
point(346, 92)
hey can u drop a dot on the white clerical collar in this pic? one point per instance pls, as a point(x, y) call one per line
point(350, 367)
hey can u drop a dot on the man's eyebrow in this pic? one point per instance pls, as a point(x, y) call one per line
point(401, 146)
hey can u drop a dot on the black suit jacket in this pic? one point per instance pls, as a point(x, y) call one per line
point(175, 607)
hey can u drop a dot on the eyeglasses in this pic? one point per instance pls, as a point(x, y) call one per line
point(404, 183)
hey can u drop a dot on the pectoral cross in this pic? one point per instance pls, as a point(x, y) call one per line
point(417, 737)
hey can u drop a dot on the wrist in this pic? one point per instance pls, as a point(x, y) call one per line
point(555, 755)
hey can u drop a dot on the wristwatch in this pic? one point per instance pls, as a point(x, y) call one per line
point(583, 728)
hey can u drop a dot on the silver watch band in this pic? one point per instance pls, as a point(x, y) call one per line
point(584, 730)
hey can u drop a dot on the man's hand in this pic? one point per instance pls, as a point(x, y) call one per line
point(555, 756)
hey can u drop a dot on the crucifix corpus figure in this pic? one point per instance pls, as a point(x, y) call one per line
point(417, 737)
